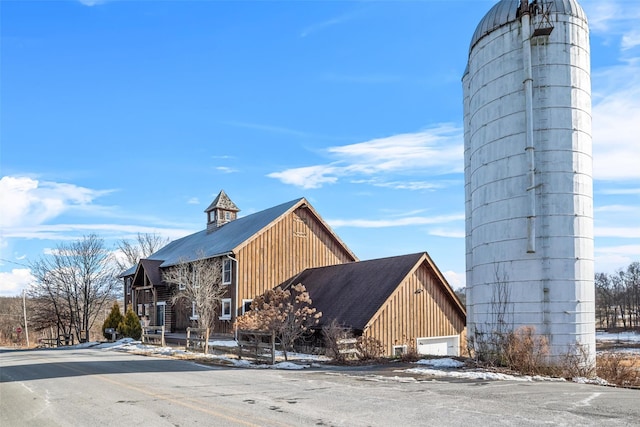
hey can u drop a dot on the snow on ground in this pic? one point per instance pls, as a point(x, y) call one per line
point(437, 367)
point(627, 336)
point(132, 346)
point(441, 363)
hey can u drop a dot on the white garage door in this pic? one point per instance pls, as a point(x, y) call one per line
point(440, 346)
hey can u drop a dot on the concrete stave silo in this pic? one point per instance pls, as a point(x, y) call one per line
point(528, 175)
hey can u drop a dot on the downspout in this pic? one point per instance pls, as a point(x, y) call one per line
point(525, 18)
point(235, 299)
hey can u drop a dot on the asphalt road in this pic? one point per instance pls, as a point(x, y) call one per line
point(85, 387)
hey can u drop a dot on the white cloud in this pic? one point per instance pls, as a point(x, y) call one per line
point(394, 222)
point(438, 150)
point(616, 115)
point(619, 232)
point(455, 280)
point(405, 185)
point(621, 191)
point(314, 28)
point(630, 40)
point(225, 169)
point(27, 201)
point(71, 231)
point(308, 177)
point(601, 13)
point(92, 2)
point(12, 283)
point(609, 259)
point(444, 232)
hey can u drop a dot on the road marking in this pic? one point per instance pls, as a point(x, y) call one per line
point(587, 401)
point(27, 387)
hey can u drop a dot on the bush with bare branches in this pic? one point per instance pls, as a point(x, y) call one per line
point(286, 312)
point(369, 348)
point(332, 334)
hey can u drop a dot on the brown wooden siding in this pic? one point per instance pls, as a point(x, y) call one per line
point(295, 242)
point(419, 307)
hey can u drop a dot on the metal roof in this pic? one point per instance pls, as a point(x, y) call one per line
point(506, 11)
point(222, 240)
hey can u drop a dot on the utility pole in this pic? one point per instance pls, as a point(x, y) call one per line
point(24, 311)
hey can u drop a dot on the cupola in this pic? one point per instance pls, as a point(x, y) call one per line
point(221, 211)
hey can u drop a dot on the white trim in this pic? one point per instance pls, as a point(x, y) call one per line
point(244, 304)
point(403, 349)
point(194, 313)
point(227, 262)
point(225, 309)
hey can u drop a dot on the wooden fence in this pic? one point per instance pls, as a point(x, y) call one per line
point(257, 344)
point(348, 347)
point(197, 339)
point(153, 335)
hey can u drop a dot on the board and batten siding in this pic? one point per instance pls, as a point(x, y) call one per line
point(420, 307)
point(293, 243)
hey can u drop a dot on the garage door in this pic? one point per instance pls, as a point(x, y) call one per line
point(440, 346)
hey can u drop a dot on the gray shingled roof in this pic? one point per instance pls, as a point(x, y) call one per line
point(222, 201)
point(220, 241)
point(352, 293)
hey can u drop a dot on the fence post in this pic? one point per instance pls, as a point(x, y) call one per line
point(273, 347)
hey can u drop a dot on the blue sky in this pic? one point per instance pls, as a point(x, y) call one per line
point(119, 117)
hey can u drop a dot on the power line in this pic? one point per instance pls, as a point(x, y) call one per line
point(13, 262)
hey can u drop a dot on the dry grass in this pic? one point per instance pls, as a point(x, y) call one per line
point(621, 369)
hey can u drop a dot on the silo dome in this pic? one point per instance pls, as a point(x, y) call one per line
point(528, 175)
point(507, 11)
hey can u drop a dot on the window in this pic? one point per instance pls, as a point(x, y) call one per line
point(195, 277)
point(128, 285)
point(161, 307)
point(227, 216)
point(399, 350)
point(140, 310)
point(194, 312)
point(246, 305)
point(146, 310)
point(225, 311)
point(226, 271)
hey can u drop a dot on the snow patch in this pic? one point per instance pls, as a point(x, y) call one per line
point(441, 363)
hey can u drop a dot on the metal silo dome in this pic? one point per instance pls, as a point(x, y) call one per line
point(506, 11)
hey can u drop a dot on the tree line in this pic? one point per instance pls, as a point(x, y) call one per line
point(618, 298)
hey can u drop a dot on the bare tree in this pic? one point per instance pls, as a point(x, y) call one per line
point(288, 313)
point(144, 245)
point(72, 284)
point(200, 283)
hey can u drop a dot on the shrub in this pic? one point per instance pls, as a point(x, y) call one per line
point(526, 352)
point(619, 369)
point(130, 325)
point(113, 320)
point(332, 334)
point(369, 348)
point(411, 354)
